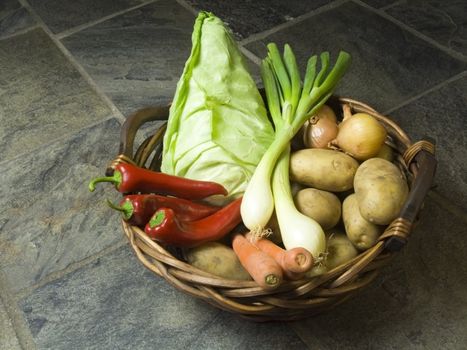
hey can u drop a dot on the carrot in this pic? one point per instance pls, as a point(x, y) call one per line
point(262, 267)
point(293, 261)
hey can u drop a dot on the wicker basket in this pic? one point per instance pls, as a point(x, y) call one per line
point(293, 299)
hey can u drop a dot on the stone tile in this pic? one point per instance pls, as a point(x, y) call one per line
point(49, 218)
point(389, 64)
point(418, 302)
point(42, 96)
point(138, 57)
point(8, 339)
point(443, 21)
point(13, 18)
point(441, 116)
point(116, 303)
point(60, 15)
point(379, 3)
point(246, 17)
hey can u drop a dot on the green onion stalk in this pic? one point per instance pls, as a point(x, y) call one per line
point(290, 102)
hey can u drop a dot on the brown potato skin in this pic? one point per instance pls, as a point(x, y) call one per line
point(381, 190)
point(322, 206)
point(362, 233)
point(340, 249)
point(323, 169)
point(218, 259)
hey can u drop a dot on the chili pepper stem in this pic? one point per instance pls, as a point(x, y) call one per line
point(116, 179)
point(127, 208)
point(157, 219)
point(113, 206)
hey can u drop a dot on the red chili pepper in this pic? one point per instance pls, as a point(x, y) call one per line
point(130, 178)
point(137, 209)
point(166, 227)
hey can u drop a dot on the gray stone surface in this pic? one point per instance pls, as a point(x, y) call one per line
point(389, 65)
point(60, 15)
point(61, 254)
point(418, 302)
point(137, 58)
point(440, 115)
point(247, 17)
point(13, 18)
point(379, 3)
point(49, 218)
point(444, 21)
point(115, 303)
point(42, 96)
point(8, 340)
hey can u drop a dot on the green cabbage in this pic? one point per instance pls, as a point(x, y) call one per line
point(218, 127)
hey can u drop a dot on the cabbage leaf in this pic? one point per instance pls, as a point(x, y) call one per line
point(218, 127)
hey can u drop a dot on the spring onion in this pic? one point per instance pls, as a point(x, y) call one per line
point(290, 104)
point(297, 229)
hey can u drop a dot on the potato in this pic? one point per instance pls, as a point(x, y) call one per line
point(316, 270)
point(323, 169)
point(339, 250)
point(218, 259)
point(295, 187)
point(322, 206)
point(362, 233)
point(381, 190)
point(386, 152)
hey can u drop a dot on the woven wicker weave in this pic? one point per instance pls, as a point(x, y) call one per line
point(293, 299)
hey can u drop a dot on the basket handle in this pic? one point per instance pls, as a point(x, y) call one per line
point(421, 156)
point(129, 129)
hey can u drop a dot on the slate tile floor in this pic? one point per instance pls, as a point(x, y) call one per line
point(69, 73)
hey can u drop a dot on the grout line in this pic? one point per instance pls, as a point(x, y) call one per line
point(56, 275)
point(247, 53)
point(394, 4)
point(74, 62)
point(414, 32)
point(292, 22)
point(80, 27)
point(428, 91)
point(20, 32)
point(65, 137)
point(256, 60)
point(16, 316)
point(187, 6)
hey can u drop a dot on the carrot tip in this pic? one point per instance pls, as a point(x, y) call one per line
point(301, 259)
point(271, 279)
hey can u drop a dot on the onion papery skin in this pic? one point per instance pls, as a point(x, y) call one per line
point(320, 129)
point(320, 134)
point(361, 136)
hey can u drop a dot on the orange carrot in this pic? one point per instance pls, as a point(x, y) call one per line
point(295, 261)
point(262, 267)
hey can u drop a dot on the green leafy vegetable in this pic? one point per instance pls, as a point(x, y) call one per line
point(218, 128)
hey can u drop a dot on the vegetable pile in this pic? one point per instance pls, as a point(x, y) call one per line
point(279, 191)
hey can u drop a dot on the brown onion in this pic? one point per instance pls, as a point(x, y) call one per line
point(320, 129)
point(361, 136)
